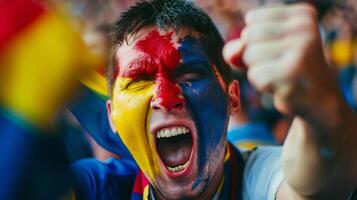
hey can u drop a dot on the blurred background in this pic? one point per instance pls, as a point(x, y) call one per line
point(259, 123)
point(83, 124)
point(338, 29)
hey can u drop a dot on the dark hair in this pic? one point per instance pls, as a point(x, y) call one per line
point(165, 14)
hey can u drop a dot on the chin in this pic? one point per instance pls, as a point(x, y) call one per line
point(171, 191)
point(192, 187)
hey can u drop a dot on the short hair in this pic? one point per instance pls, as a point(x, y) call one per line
point(166, 14)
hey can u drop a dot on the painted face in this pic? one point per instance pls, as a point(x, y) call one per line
point(171, 111)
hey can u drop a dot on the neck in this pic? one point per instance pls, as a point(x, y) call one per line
point(213, 187)
point(209, 192)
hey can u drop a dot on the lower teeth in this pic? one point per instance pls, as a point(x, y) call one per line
point(178, 168)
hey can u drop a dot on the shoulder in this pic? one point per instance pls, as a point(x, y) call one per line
point(94, 179)
point(263, 173)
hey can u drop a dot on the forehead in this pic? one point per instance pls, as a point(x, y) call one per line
point(152, 48)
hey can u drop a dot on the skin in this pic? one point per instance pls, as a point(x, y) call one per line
point(282, 49)
point(166, 79)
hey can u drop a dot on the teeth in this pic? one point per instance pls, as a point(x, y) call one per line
point(184, 130)
point(171, 132)
point(168, 133)
point(178, 168)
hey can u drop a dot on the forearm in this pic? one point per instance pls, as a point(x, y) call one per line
point(318, 157)
point(281, 46)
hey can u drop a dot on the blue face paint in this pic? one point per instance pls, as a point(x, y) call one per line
point(206, 101)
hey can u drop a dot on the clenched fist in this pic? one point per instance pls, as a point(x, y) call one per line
point(282, 49)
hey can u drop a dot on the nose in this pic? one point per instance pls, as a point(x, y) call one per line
point(168, 96)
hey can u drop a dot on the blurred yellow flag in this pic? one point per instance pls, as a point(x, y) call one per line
point(41, 59)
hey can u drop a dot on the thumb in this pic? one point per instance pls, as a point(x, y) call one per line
point(233, 53)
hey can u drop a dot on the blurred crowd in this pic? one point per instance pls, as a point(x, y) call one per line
point(258, 123)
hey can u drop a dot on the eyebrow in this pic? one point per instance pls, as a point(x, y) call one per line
point(192, 66)
point(139, 67)
point(193, 59)
point(191, 52)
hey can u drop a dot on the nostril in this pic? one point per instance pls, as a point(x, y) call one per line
point(178, 105)
point(155, 104)
point(156, 107)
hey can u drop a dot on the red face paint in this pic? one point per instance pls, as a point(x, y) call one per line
point(237, 61)
point(160, 50)
point(156, 57)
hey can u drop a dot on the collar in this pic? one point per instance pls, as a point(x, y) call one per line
point(229, 188)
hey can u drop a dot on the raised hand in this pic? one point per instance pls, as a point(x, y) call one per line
point(282, 48)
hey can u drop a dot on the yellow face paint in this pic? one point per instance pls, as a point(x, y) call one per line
point(130, 114)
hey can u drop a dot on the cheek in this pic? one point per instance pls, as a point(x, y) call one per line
point(130, 110)
point(209, 108)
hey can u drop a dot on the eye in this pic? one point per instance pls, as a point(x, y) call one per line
point(140, 84)
point(192, 72)
point(192, 75)
point(189, 76)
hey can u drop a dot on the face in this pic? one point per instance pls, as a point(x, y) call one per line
point(170, 108)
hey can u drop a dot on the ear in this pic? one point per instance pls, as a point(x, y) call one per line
point(234, 97)
point(109, 114)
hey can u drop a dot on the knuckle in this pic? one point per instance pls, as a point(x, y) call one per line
point(249, 17)
point(305, 23)
point(306, 40)
point(308, 9)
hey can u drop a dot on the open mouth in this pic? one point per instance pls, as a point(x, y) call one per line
point(174, 146)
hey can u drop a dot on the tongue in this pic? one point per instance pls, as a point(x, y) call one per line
point(175, 151)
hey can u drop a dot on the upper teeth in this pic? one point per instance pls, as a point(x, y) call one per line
point(170, 132)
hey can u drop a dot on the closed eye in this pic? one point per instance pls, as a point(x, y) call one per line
point(192, 72)
point(139, 83)
point(190, 76)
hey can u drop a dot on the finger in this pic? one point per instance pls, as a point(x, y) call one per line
point(232, 53)
point(266, 13)
point(261, 75)
point(269, 75)
point(263, 51)
point(275, 31)
point(264, 31)
point(278, 12)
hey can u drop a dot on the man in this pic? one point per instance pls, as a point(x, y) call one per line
point(171, 97)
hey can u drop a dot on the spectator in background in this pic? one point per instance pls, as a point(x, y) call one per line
point(98, 41)
point(341, 46)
